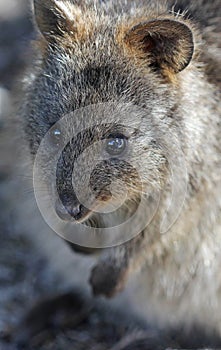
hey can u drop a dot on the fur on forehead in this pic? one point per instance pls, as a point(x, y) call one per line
point(164, 42)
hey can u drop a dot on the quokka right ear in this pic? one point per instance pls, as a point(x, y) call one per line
point(53, 17)
point(166, 44)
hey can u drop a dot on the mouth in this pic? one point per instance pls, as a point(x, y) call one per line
point(84, 215)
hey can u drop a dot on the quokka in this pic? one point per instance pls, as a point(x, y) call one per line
point(161, 59)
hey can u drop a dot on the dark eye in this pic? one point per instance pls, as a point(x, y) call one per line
point(55, 136)
point(116, 144)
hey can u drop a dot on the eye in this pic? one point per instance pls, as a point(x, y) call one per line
point(116, 144)
point(55, 136)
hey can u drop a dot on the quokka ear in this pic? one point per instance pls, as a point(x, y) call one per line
point(165, 43)
point(53, 17)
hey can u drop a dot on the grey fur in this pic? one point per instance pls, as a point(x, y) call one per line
point(178, 274)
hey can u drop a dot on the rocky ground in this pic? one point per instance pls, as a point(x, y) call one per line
point(25, 276)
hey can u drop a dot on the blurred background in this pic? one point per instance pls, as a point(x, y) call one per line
point(16, 32)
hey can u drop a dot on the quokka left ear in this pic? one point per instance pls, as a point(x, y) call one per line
point(53, 17)
point(164, 43)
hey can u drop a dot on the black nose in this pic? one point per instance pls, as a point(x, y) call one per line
point(65, 211)
point(74, 210)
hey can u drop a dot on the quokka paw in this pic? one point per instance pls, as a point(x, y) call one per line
point(107, 279)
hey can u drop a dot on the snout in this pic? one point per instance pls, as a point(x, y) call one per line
point(69, 208)
point(73, 210)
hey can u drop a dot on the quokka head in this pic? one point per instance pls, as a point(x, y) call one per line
point(105, 92)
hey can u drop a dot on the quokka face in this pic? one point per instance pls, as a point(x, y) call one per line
point(115, 76)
